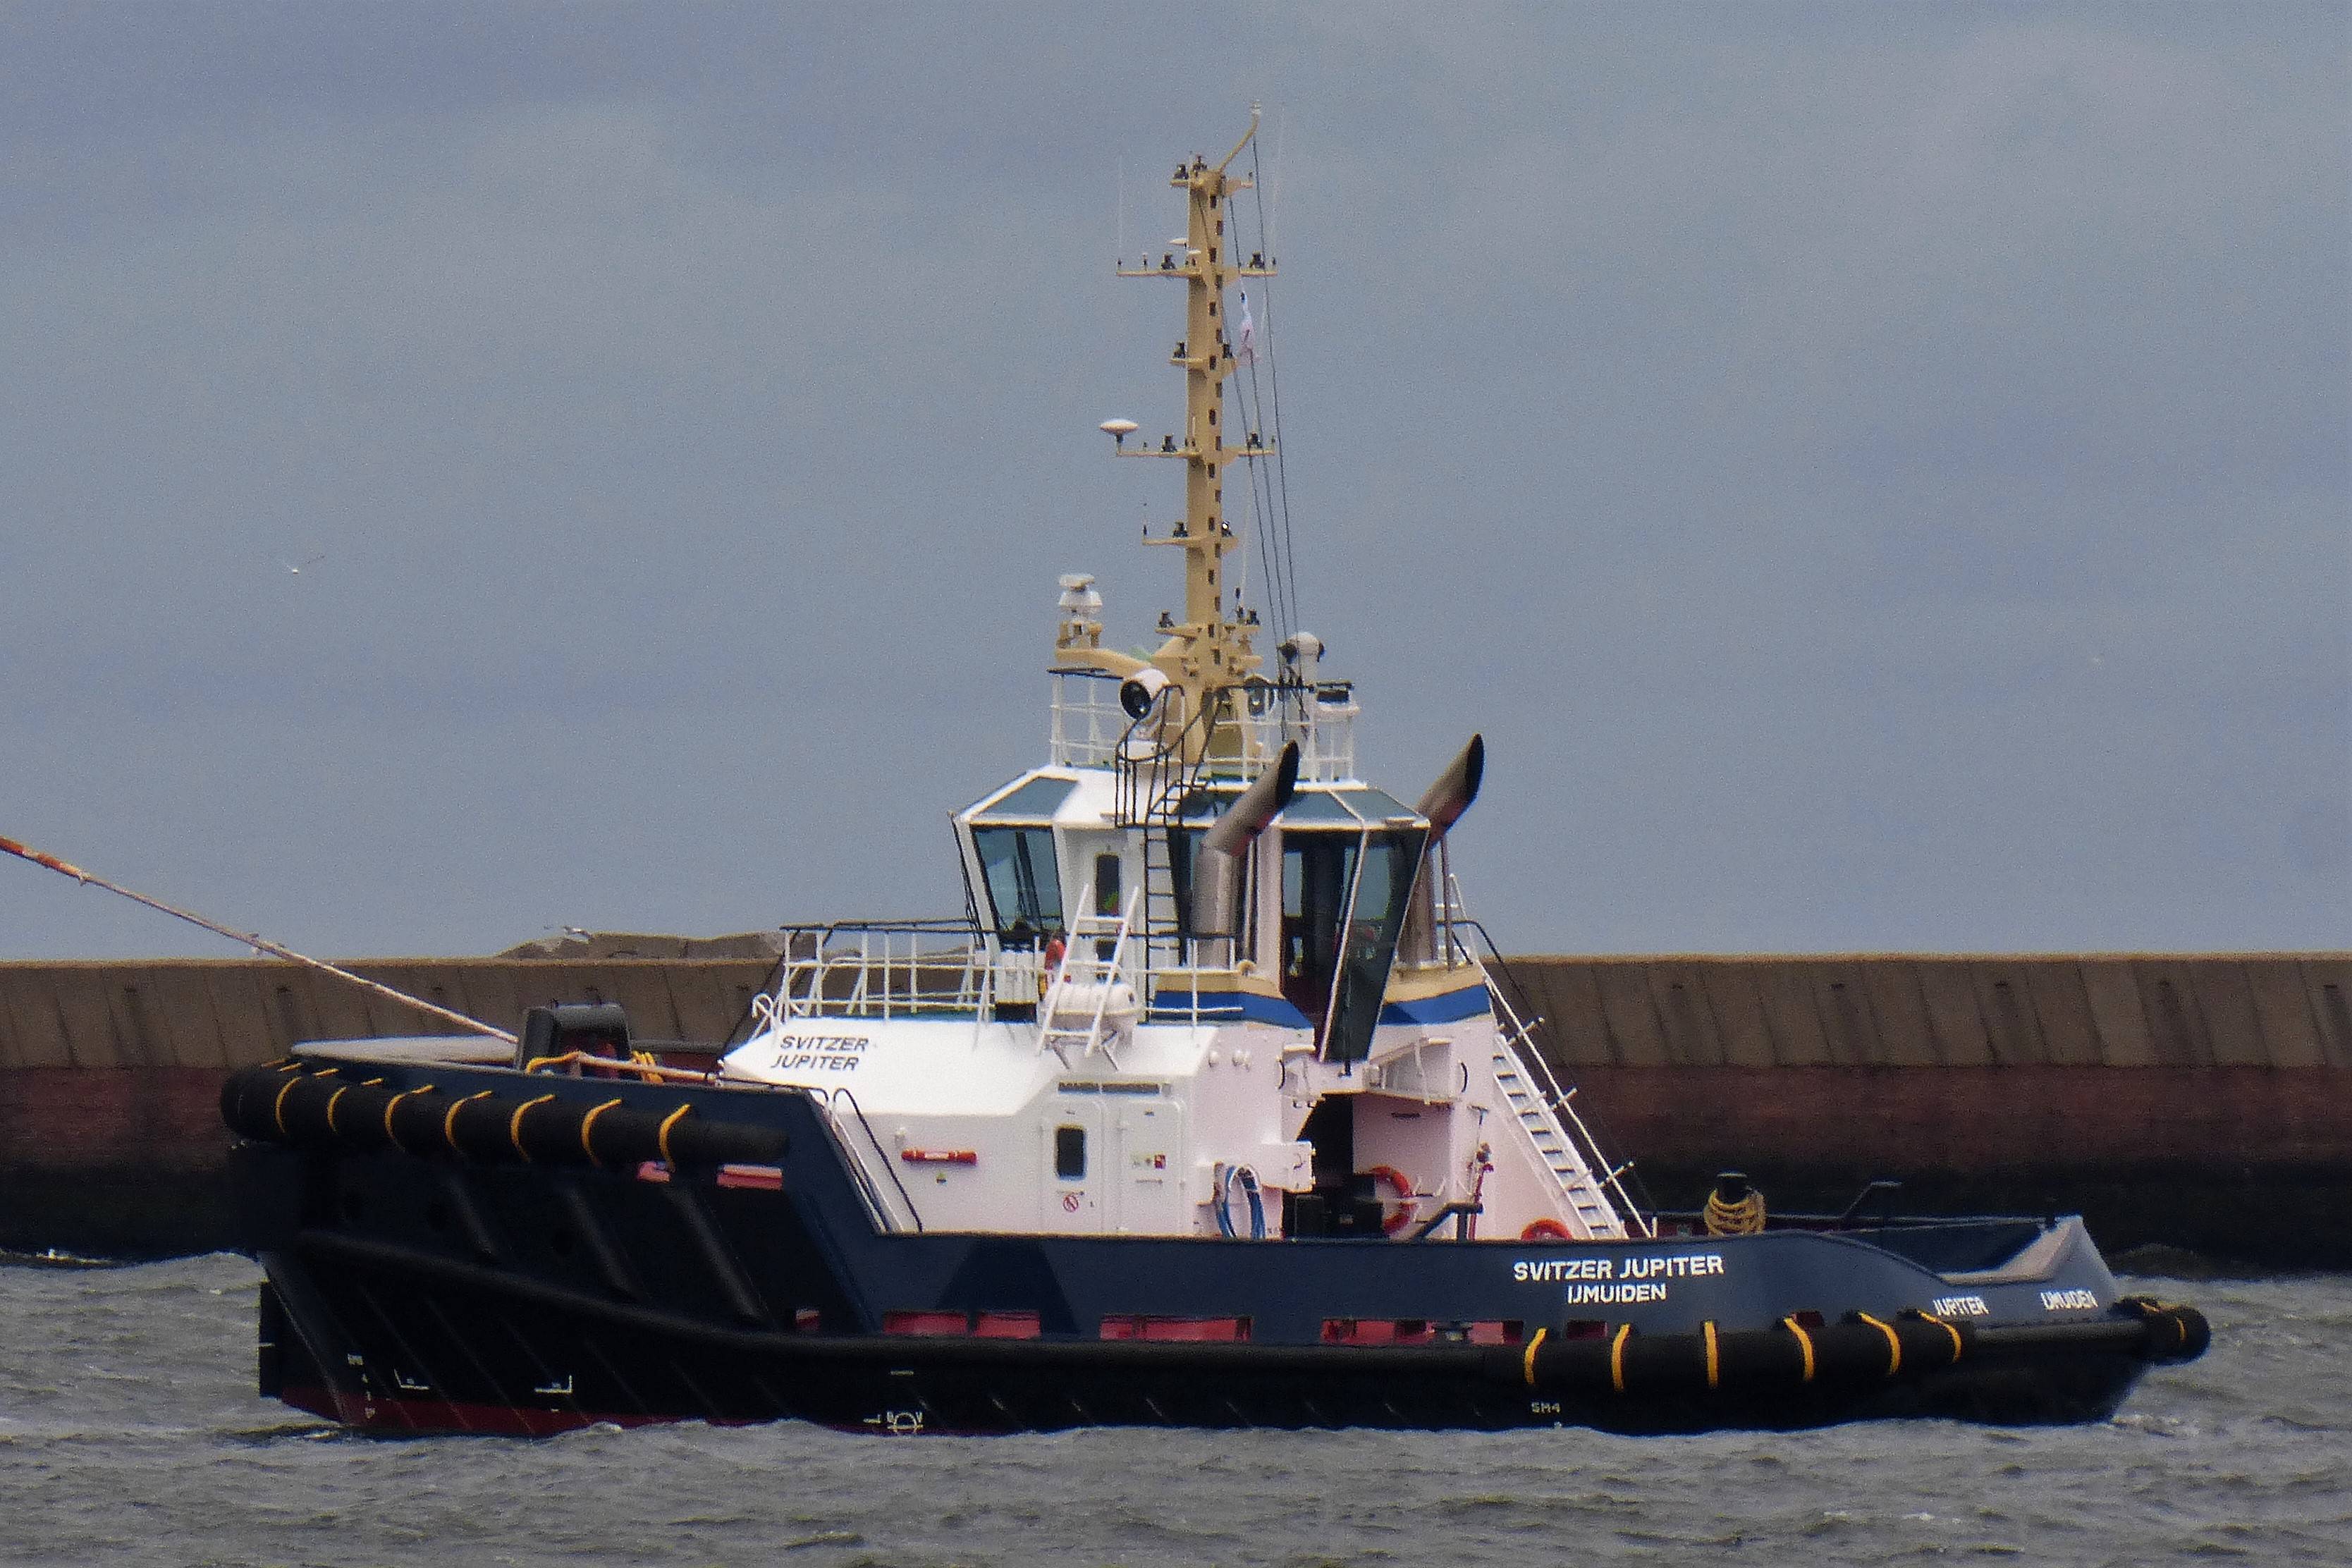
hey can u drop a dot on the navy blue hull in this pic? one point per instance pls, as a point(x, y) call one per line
point(429, 1290)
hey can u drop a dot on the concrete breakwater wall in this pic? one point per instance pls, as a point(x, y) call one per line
point(2202, 1102)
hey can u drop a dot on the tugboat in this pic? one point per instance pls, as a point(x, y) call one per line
point(1212, 1110)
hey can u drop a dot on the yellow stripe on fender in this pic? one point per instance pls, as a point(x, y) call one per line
point(589, 1120)
point(389, 1135)
point(277, 1110)
point(1804, 1344)
point(1714, 1364)
point(1528, 1362)
point(1894, 1343)
point(449, 1122)
point(672, 1119)
point(1617, 1357)
point(514, 1125)
point(1949, 1329)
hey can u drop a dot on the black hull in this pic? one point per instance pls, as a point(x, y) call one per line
point(451, 1291)
point(432, 1345)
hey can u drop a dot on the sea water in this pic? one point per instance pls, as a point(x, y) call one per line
point(129, 1434)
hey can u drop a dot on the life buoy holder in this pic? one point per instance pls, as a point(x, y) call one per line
point(1407, 1199)
point(1545, 1230)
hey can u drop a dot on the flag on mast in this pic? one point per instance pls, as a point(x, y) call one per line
point(1246, 347)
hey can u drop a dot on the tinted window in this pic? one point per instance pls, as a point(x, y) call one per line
point(1382, 892)
point(1023, 886)
point(1038, 797)
point(1070, 1153)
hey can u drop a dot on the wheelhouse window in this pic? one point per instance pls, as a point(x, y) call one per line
point(1368, 945)
point(1070, 1153)
point(1024, 887)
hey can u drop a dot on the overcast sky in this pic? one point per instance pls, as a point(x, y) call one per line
point(1877, 475)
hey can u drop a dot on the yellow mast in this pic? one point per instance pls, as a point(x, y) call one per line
point(1210, 647)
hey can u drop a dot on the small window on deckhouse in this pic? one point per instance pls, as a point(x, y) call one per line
point(1070, 1153)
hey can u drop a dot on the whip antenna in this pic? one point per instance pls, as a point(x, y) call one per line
point(263, 944)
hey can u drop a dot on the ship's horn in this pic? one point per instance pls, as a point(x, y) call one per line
point(1445, 802)
point(1216, 871)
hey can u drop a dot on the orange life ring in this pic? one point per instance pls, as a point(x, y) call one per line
point(1545, 1230)
point(1407, 1199)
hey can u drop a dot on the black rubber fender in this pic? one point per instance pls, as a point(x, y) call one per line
point(2173, 1333)
point(1790, 1355)
point(333, 1109)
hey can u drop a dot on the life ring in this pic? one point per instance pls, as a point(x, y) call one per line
point(1545, 1230)
point(1407, 1199)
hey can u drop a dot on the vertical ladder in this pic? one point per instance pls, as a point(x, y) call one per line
point(1164, 941)
point(1084, 965)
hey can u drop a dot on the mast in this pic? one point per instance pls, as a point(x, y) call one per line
point(1211, 647)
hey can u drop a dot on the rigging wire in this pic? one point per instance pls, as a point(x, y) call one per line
point(1279, 482)
point(1262, 513)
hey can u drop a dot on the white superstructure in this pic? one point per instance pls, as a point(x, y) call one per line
point(1211, 981)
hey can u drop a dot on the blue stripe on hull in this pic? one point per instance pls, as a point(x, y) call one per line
point(1470, 1001)
point(1227, 1007)
point(1248, 1007)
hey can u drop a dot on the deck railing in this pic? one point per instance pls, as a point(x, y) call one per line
point(1248, 726)
point(881, 969)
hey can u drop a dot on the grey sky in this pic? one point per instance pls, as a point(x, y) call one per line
point(1877, 475)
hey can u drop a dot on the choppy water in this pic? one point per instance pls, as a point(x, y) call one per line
point(129, 1435)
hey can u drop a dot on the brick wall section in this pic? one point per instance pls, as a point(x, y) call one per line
point(221, 1014)
point(2202, 1100)
point(2037, 1062)
point(2256, 1010)
point(1893, 1121)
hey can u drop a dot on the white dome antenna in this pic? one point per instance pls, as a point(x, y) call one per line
point(1118, 430)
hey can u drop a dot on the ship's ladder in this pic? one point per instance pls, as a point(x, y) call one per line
point(1090, 992)
point(1164, 941)
point(1544, 1120)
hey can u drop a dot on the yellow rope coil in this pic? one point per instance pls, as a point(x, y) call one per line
point(1894, 1343)
point(1804, 1344)
point(589, 1120)
point(1528, 1361)
point(672, 1119)
point(1745, 1218)
point(514, 1125)
point(1617, 1356)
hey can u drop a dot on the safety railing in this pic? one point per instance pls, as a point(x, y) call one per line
point(1237, 733)
point(1087, 720)
point(878, 1205)
point(880, 969)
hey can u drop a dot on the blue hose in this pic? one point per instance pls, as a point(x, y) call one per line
point(1224, 1178)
